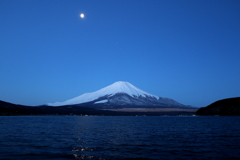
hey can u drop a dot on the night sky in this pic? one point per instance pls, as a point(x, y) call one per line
point(187, 50)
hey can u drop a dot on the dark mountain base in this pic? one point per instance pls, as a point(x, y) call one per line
point(123, 100)
point(225, 107)
point(8, 109)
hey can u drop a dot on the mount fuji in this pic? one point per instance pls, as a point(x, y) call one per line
point(120, 95)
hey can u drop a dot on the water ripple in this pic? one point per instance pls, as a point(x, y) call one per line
point(119, 138)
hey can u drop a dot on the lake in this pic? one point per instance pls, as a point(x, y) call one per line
point(116, 137)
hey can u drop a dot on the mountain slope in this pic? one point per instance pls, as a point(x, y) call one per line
point(120, 94)
point(117, 87)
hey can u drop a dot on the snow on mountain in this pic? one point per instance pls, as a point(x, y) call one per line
point(102, 101)
point(111, 90)
point(120, 95)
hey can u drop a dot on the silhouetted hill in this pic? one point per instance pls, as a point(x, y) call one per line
point(9, 105)
point(7, 108)
point(224, 107)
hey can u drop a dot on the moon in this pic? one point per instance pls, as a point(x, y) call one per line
point(82, 15)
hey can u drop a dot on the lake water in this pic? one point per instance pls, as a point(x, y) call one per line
point(98, 138)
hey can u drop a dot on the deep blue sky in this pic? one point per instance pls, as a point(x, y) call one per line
point(187, 50)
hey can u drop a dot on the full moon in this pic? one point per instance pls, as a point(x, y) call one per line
point(82, 15)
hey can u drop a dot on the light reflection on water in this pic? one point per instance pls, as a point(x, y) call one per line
point(97, 138)
point(82, 156)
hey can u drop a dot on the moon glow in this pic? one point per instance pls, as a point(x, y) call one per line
point(82, 15)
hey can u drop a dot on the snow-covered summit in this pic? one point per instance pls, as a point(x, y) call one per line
point(125, 87)
point(111, 90)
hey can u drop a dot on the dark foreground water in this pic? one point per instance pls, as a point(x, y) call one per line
point(92, 137)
